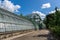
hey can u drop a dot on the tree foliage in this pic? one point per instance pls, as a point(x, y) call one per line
point(53, 19)
point(53, 22)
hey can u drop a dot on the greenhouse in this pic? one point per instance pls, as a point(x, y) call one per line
point(11, 22)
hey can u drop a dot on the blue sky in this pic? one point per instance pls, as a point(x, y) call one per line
point(27, 6)
point(43, 7)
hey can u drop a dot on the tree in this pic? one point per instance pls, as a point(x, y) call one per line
point(53, 19)
point(50, 20)
point(21, 14)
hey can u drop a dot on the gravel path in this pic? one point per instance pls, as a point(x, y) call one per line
point(37, 35)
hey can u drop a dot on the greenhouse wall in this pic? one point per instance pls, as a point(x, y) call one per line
point(11, 22)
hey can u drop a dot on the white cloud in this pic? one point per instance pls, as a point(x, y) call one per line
point(52, 12)
point(46, 5)
point(58, 9)
point(40, 13)
point(8, 5)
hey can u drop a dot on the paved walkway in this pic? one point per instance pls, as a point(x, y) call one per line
point(35, 35)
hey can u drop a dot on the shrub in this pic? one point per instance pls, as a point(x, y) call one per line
point(55, 30)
